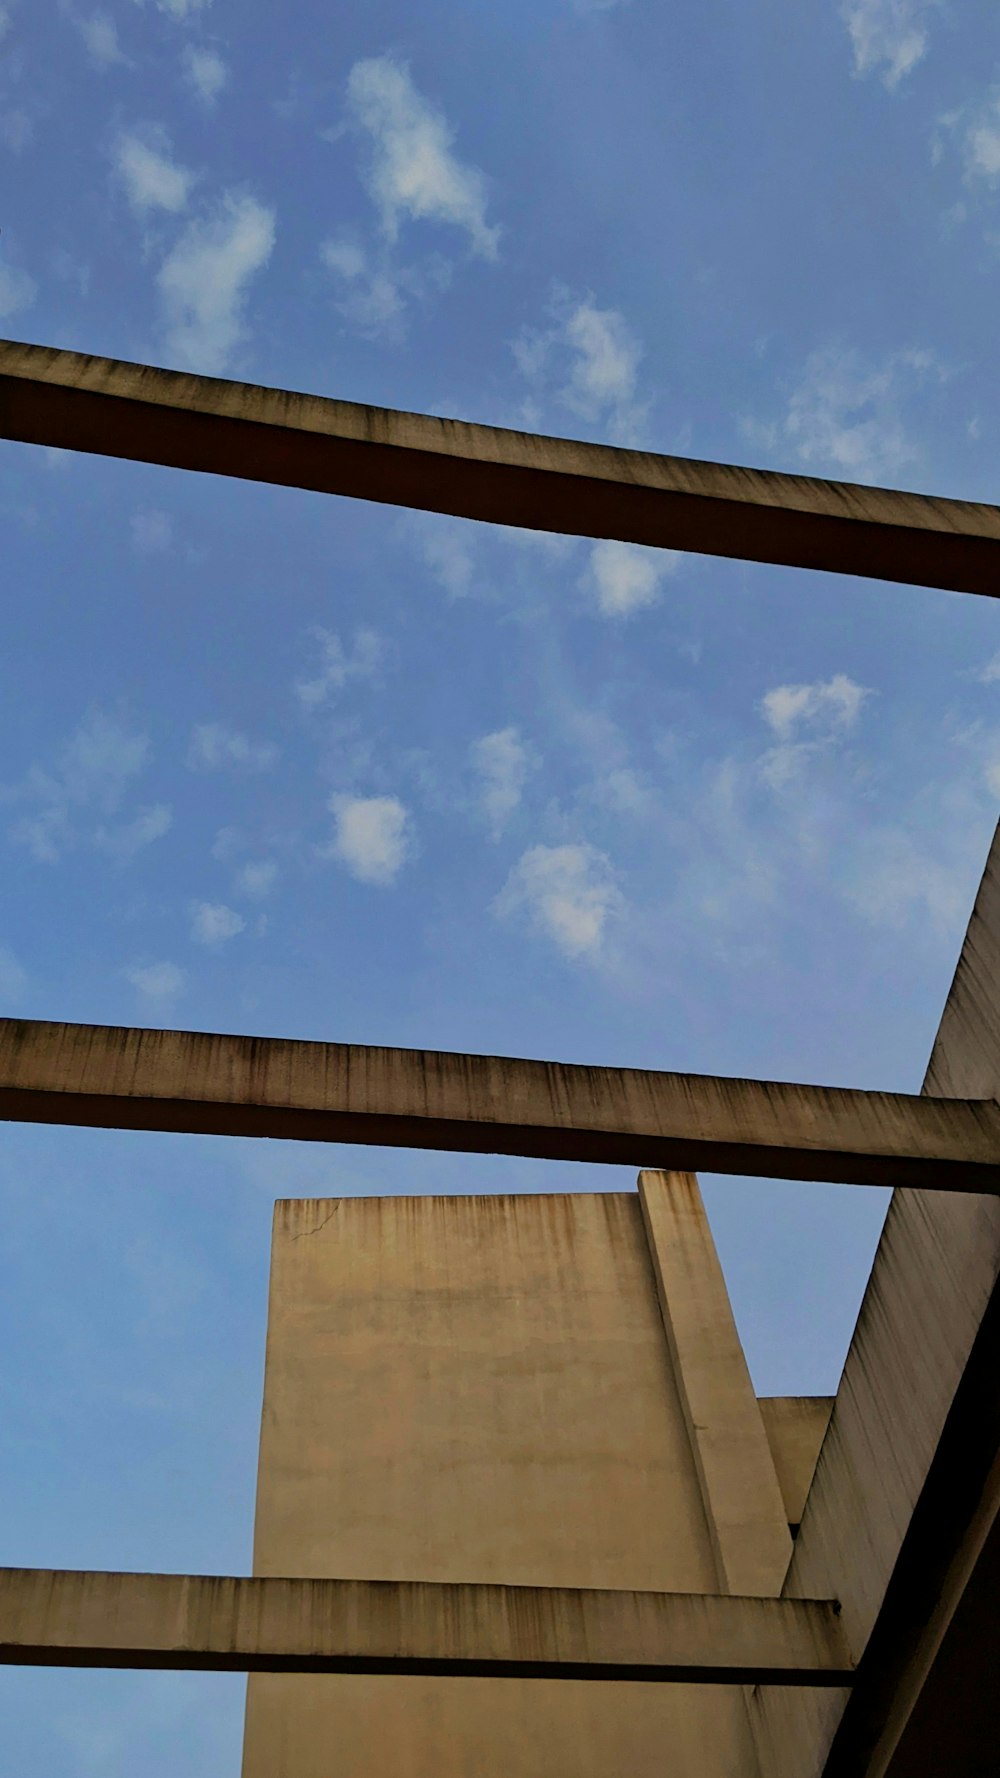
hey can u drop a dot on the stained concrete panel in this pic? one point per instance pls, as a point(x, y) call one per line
point(478, 1389)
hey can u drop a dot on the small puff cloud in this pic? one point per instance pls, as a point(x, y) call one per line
point(503, 763)
point(590, 362)
point(845, 414)
point(834, 703)
point(888, 37)
point(205, 72)
point(151, 532)
point(626, 577)
point(214, 746)
point(257, 880)
point(212, 923)
point(17, 290)
point(569, 894)
point(204, 281)
point(413, 172)
point(158, 983)
point(100, 37)
point(152, 179)
point(338, 665)
point(372, 836)
point(91, 775)
point(13, 979)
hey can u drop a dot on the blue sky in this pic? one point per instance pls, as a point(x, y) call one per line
point(271, 762)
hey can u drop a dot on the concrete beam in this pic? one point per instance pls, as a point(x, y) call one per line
point(334, 1092)
point(204, 1623)
point(736, 1474)
point(135, 411)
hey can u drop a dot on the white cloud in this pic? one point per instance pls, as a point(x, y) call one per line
point(337, 666)
point(413, 171)
point(569, 894)
point(152, 179)
point(589, 361)
point(845, 415)
point(91, 774)
point(13, 979)
point(445, 545)
point(888, 37)
point(503, 763)
point(159, 983)
point(130, 837)
point(214, 746)
point(212, 923)
point(834, 703)
point(625, 577)
point(181, 9)
point(989, 674)
point(372, 836)
point(203, 282)
point(257, 880)
point(100, 36)
point(976, 127)
point(17, 290)
point(206, 73)
point(151, 532)
point(895, 877)
point(5, 21)
point(370, 297)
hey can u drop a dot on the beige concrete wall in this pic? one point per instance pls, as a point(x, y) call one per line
point(478, 1389)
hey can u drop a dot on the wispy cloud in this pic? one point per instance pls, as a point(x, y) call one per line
point(212, 923)
point(256, 880)
point(100, 37)
point(569, 894)
point(588, 361)
point(216, 746)
point(846, 415)
point(125, 839)
point(90, 777)
point(152, 532)
point(626, 577)
point(337, 665)
point(205, 72)
point(413, 173)
point(445, 546)
point(888, 37)
point(158, 983)
point(181, 9)
point(371, 297)
point(17, 290)
point(502, 763)
point(372, 836)
point(974, 129)
point(13, 979)
point(204, 281)
point(152, 179)
point(834, 702)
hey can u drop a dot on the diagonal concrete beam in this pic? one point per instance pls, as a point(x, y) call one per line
point(52, 1618)
point(335, 1092)
point(136, 411)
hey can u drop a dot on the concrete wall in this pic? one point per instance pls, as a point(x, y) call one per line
point(482, 1389)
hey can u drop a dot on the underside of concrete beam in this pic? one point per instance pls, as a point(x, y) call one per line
point(333, 1092)
point(206, 1623)
point(101, 405)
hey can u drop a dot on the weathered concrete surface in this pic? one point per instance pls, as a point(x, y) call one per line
point(796, 1427)
point(212, 1623)
point(510, 478)
point(254, 1086)
point(932, 1293)
point(478, 1387)
point(743, 1505)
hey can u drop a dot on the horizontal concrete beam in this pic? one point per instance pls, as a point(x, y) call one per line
point(52, 1618)
point(80, 403)
point(336, 1092)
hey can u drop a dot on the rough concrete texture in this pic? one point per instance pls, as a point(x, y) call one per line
point(736, 1471)
point(213, 1623)
point(82, 403)
point(478, 1388)
point(338, 1092)
point(795, 1426)
point(932, 1282)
